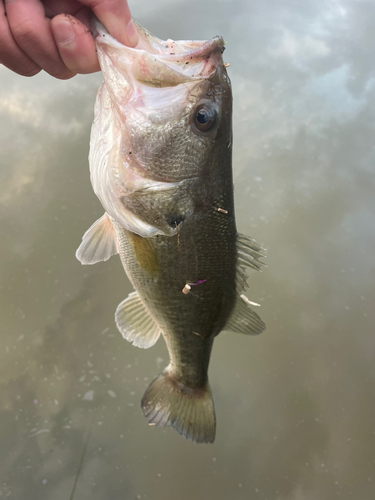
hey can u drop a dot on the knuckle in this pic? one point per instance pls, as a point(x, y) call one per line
point(32, 71)
point(65, 74)
point(24, 33)
point(19, 65)
point(98, 3)
point(4, 39)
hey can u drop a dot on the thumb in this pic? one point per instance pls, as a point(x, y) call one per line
point(116, 17)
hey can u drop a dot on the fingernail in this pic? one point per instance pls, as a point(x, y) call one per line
point(64, 33)
point(132, 34)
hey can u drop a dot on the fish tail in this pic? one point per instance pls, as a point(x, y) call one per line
point(189, 411)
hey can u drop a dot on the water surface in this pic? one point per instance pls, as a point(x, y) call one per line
point(295, 406)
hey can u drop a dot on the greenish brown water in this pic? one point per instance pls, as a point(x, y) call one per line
point(295, 406)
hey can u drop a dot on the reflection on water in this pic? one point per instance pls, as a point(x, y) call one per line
point(296, 405)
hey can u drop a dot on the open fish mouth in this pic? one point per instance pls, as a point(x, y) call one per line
point(148, 148)
point(158, 63)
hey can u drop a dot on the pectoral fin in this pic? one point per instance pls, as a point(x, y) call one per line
point(244, 319)
point(135, 322)
point(98, 242)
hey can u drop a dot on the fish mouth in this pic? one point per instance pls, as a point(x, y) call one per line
point(180, 50)
point(158, 63)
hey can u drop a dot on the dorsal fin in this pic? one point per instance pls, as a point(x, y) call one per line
point(243, 319)
point(98, 242)
point(248, 255)
point(135, 322)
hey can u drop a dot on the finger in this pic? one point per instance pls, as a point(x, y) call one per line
point(55, 7)
point(32, 33)
point(73, 8)
point(11, 55)
point(116, 17)
point(75, 44)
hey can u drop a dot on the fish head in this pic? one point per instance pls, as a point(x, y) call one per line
point(163, 109)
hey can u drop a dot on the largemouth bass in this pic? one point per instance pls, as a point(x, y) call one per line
point(161, 165)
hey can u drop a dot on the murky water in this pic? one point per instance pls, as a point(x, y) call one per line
point(295, 406)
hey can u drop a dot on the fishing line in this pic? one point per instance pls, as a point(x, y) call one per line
point(81, 462)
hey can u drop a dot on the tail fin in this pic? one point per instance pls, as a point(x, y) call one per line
point(189, 411)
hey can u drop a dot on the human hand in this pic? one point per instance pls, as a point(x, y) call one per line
point(54, 35)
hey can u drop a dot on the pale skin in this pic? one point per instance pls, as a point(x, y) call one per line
point(54, 35)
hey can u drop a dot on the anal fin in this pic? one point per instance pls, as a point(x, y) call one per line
point(98, 242)
point(243, 319)
point(135, 322)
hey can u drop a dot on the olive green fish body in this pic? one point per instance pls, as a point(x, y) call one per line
point(161, 165)
point(202, 255)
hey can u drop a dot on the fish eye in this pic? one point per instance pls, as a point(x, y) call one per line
point(205, 117)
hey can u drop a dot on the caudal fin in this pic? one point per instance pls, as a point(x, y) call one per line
point(189, 411)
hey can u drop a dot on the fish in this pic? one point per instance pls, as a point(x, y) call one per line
point(161, 165)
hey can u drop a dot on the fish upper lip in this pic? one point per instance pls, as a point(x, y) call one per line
point(150, 43)
point(208, 47)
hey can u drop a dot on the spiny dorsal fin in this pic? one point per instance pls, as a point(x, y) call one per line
point(244, 319)
point(248, 255)
point(98, 242)
point(135, 322)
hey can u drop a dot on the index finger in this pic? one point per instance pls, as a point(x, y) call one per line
point(116, 17)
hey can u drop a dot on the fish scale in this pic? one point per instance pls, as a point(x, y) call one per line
point(161, 165)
